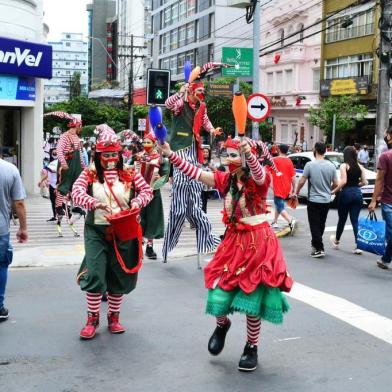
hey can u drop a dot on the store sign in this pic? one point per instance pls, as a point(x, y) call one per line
point(344, 86)
point(220, 90)
point(25, 58)
point(241, 60)
point(278, 101)
point(14, 87)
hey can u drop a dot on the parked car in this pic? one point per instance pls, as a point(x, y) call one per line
point(301, 159)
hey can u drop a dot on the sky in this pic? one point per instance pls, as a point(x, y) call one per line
point(65, 16)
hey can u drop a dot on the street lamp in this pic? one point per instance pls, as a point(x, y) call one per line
point(104, 48)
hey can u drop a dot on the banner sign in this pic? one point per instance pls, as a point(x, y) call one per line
point(14, 87)
point(344, 86)
point(25, 58)
point(241, 58)
point(220, 90)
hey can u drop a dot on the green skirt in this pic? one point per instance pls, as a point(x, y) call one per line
point(266, 303)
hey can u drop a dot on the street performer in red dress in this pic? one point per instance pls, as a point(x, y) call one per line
point(106, 189)
point(248, 272)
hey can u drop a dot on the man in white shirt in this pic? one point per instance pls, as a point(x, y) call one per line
point(363, 156)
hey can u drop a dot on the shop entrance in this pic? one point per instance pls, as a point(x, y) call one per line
point(10, 126)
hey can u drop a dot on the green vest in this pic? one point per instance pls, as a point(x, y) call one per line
point(181, 133)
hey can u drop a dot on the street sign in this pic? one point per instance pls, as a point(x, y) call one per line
point(241, 58)
point(142, 122)
point(220, 90)
point(259, 107)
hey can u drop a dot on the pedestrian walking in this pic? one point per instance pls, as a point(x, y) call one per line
point(363, 156)
point(348, 191)
point(12, 195)
point(321, 177)
point(110, 263)
point(383, 191)
point(283, 185)
point(248, 272)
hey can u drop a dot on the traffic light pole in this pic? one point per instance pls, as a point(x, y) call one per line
point(130, 90)
point(256, 62)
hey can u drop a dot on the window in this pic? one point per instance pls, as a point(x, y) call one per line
point(165, 63)
point(191, 7)
point(301, 32)
point(190, 32)
point(181, 36)
point(316, 79)
point(181, 61)
point(279, 81)
point(190, 55)
point(281, 36)
point(167, 16)
point(68, 36)
point(66, 63)
point(361, 24)
point(288, 80)
point(182, 10)
point(173, 64)
point(270, 82)
point(174, 39)
point(349, 66)
point(284, 133)
point(174, 13)
point(67, 44)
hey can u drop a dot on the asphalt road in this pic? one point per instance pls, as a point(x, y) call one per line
point(165, 346)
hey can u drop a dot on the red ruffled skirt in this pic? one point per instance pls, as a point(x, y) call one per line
point(248, 257)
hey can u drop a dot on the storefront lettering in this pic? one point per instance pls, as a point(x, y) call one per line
point(278, 101)
point(20, 57)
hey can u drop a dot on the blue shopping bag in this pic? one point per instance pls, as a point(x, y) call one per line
point(371, 234)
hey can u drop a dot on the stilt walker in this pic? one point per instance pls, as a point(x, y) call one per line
point(113, 196)
point(71, 164)
point(190, 116)
point(154, 169)
point(248, 272)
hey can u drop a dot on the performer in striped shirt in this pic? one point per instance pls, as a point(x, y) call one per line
point(111, 266)
point(190, 116)
point(248, 272)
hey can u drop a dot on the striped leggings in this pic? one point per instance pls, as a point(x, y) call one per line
point(253, 326)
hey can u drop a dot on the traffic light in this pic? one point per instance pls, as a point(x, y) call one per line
point(158, 86)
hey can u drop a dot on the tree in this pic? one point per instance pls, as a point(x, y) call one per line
point(348, 111)
point(75, 88)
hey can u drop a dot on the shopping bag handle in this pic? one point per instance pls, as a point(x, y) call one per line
point(372, 216)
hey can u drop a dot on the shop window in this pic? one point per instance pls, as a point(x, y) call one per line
point(279, 81)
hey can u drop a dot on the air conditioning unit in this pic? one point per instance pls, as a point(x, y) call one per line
point(239, 3)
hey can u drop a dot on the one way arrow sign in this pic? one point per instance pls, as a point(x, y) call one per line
point(259, 107)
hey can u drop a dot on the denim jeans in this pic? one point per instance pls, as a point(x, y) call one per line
point(5, 261)
point(387, 216)
point(350, 202)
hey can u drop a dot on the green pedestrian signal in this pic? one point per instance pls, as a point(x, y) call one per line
point(159, 94)
point(158, 86)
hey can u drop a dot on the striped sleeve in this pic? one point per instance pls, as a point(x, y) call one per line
point(63, 147)
point(175, 103)
point(143, 190)
point(207, 123)
point(257, 171)
point(187, 168)
point(79, 192)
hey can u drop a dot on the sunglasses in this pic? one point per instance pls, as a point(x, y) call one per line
point(109, 154)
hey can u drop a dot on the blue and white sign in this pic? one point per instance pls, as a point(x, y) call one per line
point(14, 87)
point(25, 58)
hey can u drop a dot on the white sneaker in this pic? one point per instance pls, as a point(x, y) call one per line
point(357, 251)
point(335, 244)
point(274, 225)
point(293, 226)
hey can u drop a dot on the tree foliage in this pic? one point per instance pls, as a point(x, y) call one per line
point(75, 88)
point(94, 113)
point(348, 111)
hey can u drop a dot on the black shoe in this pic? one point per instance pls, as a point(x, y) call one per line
point(248, 361)
point(104, 297)
point(51, 220)
point(217, 339)
point(150, 252)
point(3, 314)
point(317, 254)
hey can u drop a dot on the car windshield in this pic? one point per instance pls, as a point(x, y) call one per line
point(337, 160)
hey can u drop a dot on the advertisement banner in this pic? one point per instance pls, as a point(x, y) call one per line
point(24, 58)
point(14, 87)
point(240, 58)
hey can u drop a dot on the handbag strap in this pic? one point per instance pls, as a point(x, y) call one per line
point(372, 216)
point(114, 196)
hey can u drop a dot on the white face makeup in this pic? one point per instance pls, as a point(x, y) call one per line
point(233, 156)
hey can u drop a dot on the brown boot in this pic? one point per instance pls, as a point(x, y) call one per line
point(88, 332)
point(114, 323)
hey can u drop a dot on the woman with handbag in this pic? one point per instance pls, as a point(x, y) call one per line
point(350, 200)
point(248, 271)
point(114, 251)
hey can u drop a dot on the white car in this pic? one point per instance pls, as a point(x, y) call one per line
point(302, 158)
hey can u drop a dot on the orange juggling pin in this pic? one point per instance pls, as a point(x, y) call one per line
point(240, 111)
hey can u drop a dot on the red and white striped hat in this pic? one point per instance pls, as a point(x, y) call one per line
point(107, 140)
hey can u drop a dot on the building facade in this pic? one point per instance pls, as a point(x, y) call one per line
point(194, 30)
point(26, 60)
point(349, 63)
point(101, 16)
point(69, 57)
point(290, 69)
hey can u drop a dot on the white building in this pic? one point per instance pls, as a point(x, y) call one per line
point(26, 60)
point(69, 57)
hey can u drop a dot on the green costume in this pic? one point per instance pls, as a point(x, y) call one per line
point(68, 177)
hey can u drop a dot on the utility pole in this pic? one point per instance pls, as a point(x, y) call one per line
point(383, 93)
point(256, 60)
point(132, 56)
